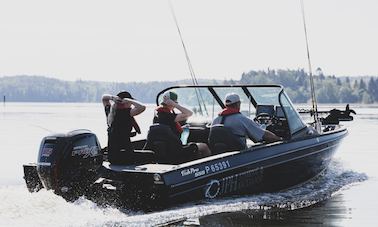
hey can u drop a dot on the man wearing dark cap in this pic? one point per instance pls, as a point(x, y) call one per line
point(240, 125)
point(120, 111)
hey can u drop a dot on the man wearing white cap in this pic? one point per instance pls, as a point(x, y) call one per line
point(240, 125)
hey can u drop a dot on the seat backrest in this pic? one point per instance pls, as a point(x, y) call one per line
point(221, 139)
point(165, 144)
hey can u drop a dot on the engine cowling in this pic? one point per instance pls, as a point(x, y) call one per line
point(69, 163)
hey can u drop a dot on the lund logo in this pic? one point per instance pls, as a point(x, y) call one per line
point(85, 151)
point(241, 181)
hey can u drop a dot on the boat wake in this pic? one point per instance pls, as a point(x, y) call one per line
point(18, 207)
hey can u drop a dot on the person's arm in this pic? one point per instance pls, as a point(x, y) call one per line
point(256, 133)
point(185, 113)
point(106, 99)
point(138, 107)
point(270, 137)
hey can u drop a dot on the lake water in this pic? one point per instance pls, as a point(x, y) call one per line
point(344, 195)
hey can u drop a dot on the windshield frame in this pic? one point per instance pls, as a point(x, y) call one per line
point(281, 94)
point(216, 96)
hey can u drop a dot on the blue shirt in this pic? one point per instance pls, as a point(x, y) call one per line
point(242, 127)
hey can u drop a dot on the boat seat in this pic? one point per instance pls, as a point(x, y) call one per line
point(167, 147)
point(143, 156)
point(222, 140)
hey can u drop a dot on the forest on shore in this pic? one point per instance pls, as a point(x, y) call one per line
point(329, 88)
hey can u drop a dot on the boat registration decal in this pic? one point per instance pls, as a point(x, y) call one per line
point(197, 172)
point(217, 167)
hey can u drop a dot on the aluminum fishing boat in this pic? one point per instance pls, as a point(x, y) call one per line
point(74, 164)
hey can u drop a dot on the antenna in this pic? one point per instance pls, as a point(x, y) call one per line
point(313, 95)
point(191, 70)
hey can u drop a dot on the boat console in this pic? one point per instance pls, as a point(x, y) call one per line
point(274, 119)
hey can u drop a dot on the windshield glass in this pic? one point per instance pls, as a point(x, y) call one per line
point(294, 119)
point(246, 107)
point(265, 95)
point(206, 105)
point(199, 100)
point(256, 101)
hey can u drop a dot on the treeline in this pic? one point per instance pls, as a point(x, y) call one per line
point(329, 89)
point(44, 89)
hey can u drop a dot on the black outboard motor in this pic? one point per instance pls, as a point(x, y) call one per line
point(67, 163)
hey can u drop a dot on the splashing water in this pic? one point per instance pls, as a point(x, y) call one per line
point(20, 208)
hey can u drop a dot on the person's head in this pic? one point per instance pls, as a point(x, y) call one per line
point(232, 100)
point(169, 95)
point(122, 95)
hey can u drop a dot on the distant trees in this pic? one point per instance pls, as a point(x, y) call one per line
point(329, 89)
point(372, 88)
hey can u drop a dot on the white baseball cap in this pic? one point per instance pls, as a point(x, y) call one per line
point(231, 98)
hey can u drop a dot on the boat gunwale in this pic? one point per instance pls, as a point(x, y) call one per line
point(215, 159)
point(258, 168)
point(267, 158)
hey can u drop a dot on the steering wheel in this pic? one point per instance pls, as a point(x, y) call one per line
point(263, 118)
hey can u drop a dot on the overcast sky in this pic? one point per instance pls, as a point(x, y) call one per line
point(136, 40)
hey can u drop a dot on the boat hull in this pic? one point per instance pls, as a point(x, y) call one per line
point(265, 168)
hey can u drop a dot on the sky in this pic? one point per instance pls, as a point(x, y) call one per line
point(137, 40)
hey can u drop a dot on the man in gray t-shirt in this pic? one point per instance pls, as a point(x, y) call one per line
point(240, 125)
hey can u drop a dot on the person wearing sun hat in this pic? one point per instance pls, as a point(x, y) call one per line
point(240, 125)
point(120, 111)
point(165, 114)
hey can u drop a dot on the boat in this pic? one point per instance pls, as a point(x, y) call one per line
point(74, 164)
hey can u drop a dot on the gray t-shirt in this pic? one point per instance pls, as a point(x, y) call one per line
point(242, 127)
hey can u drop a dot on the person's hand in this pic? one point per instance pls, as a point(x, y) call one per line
point(169, 102)
point(116, 99)
point(127, 100)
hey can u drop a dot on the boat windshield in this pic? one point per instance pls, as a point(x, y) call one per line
point(198, 99)
point(266, 95)
point(207, 101)
point(295, 121)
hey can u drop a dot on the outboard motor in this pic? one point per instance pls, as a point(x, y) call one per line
point(67, 163)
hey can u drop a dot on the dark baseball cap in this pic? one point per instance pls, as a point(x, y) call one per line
point(124, 94)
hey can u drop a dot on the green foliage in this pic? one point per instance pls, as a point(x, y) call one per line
point(329, 89)
point(43, 89)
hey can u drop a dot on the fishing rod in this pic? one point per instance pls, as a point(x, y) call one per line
point(191, 70)
point(313, 95)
